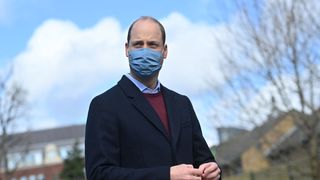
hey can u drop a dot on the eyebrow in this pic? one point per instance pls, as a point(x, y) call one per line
point(137, 42)
point(148, 42)
point(153, 42)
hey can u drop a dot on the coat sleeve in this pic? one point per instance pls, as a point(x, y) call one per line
point(201, 151)
point(102, 148)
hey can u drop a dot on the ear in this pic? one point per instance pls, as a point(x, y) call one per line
point(126, 49)
point(165, 51)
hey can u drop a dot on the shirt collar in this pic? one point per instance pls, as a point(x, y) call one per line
point(142, 87)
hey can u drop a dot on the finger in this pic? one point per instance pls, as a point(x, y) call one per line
point(216, 178)
point(212, 171)
point(205, 165)
point(196, 172)
point(210, 168)
point(212, 175)
point(192, 177)
point(202, 167)
point(189, 165)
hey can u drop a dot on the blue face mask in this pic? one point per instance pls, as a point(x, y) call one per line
point(145, 61)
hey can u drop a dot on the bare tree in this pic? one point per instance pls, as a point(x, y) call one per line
point(12, 108)
point(272, 54)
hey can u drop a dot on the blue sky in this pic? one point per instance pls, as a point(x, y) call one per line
point(66, 52)
point(19, 18)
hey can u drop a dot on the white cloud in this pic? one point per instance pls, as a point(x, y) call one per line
point(193, 55)
point(64, 60)
point(63, 66)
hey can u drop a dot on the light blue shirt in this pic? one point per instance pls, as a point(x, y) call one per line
point(142, 87)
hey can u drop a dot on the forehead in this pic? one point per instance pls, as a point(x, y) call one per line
point(146, 29)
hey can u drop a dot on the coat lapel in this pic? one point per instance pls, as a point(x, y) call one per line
point(174, 120)
point(142, 105)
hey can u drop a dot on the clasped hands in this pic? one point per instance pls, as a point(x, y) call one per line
point(206, 171)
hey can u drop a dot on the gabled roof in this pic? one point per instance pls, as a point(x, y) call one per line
point(291, 142)
point(229, 152)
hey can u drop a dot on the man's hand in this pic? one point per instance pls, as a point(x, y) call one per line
point(210, 171)
point(185, 172)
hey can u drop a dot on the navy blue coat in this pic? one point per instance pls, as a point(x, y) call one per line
point(125, 138)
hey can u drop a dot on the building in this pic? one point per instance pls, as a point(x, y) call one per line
point(277, 142)
point(227, 133)
point(39, 155)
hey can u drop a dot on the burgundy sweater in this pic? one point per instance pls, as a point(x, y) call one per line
point(157, 102)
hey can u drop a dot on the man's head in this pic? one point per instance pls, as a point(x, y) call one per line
point(147, 32)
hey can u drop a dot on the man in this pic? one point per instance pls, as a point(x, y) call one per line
point(139, 129)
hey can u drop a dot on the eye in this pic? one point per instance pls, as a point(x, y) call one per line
point(153, 45)
point(137, 44)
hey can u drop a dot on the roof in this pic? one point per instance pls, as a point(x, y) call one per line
point(46, 136)
point(291, 141)
point(229, 152)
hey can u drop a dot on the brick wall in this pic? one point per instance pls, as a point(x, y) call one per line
point(48, 172)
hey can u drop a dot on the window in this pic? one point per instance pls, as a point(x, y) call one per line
point(33, 158)
point(40, 177)
point(32, 177)
point(52, 154)
point(13, 160)
point(21, 159)
point(63, 151)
